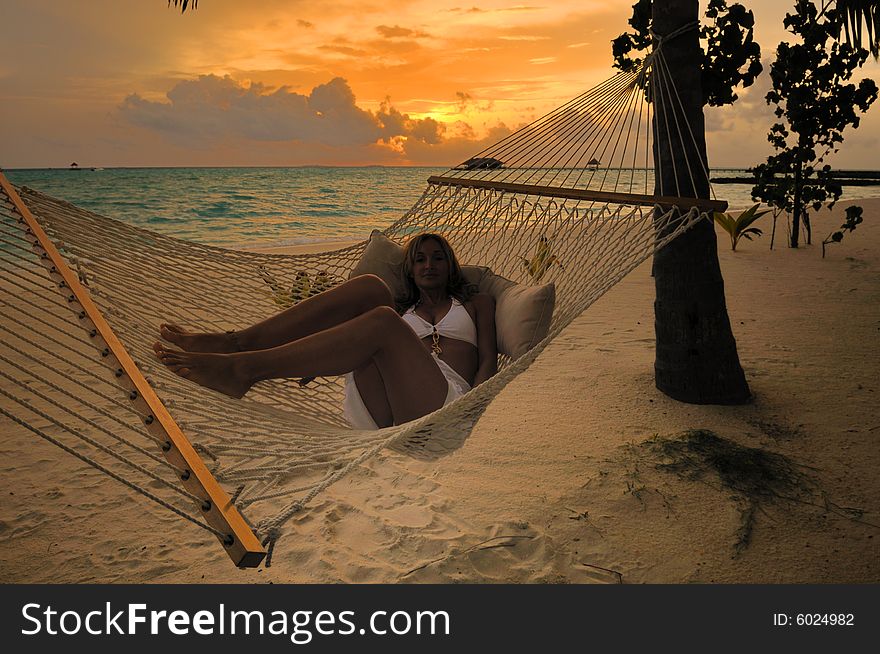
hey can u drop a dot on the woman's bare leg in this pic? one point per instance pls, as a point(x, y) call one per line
point(413, 383)
point(314, 314)
point(371, 388)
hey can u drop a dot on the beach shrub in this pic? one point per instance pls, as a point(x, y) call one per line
point(853, 218)
point(741, 226)
point(813, 102)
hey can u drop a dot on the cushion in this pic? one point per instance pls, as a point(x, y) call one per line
point(383, 258)
point(522, 313)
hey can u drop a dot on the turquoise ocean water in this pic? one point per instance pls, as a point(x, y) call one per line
point(240, 207)
point(263, 207)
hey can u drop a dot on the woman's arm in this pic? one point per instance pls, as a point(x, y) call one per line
point(487, 346)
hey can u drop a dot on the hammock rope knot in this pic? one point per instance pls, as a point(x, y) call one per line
point(659, 39)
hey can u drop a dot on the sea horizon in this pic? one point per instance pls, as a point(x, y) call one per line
point(87, 167)
point(256, 207)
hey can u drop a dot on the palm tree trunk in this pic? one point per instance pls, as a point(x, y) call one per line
point(773, 231)
point(696, 359)
point(796, 215)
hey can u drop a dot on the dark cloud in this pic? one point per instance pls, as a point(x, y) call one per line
point(452, 151)
point(477, 10)
point(344, 49)
point(394, 124)
point(750, 111)
point(463, 130)
point(304, 23)
point(211, 108)
point(716, 119)
point(465, 101)
point(426, 130)
point(390, 32)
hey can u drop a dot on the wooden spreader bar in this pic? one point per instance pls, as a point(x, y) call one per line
point(667, 202)
point(217, 508)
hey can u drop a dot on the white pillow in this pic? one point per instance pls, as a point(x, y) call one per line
point(522, 313)
point(383, 258)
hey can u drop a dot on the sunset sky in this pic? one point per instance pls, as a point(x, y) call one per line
point(271, 82)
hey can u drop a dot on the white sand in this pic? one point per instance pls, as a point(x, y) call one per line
point(552, 485)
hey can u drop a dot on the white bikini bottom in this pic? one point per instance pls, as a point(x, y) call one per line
point(358, 415)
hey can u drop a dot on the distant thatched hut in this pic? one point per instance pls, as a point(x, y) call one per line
point(481, 163)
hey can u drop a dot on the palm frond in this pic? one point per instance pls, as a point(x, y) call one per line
point(855, 17)
point(184, 4)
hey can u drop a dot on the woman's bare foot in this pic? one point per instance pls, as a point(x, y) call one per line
point(198, 342)
point(220, 372)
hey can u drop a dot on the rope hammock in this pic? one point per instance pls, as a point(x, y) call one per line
point(565, 200)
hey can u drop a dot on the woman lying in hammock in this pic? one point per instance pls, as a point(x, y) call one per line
point(398, 367)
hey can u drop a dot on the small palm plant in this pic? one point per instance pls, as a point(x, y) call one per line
point(741, 226)
point(543, 260)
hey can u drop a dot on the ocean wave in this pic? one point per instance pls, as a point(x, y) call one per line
point(293, 242)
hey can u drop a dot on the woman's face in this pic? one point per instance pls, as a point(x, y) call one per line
point(431, 266)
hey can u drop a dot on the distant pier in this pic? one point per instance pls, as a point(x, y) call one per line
point(843, 177)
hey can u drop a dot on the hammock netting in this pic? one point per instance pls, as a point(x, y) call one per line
point(283, 443)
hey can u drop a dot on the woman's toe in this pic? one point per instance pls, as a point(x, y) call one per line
point(170, 332)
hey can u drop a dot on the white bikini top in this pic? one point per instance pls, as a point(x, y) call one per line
point(457, 324)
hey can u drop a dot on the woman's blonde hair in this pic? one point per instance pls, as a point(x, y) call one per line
point(456, 285)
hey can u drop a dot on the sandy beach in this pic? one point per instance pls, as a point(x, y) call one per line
point(580, 471)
